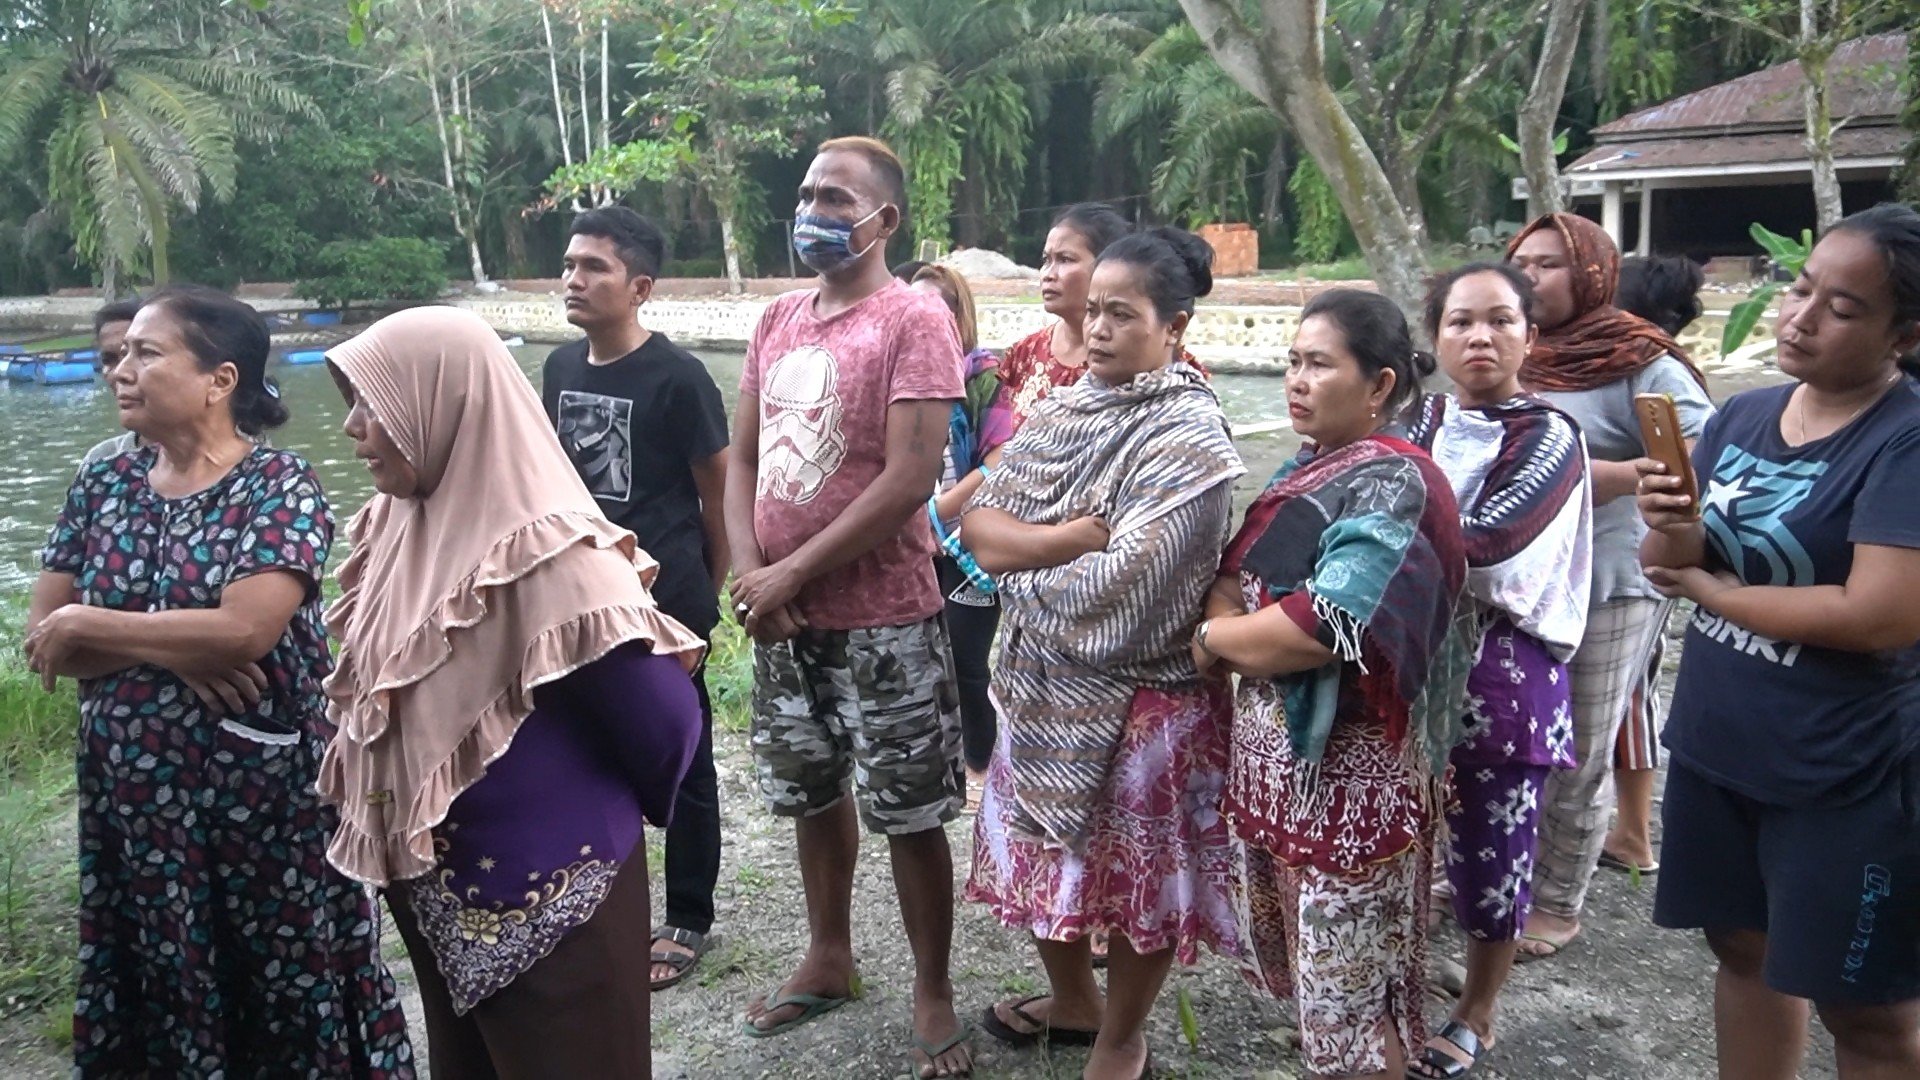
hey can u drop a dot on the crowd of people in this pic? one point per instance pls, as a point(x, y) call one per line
point(1417, 680)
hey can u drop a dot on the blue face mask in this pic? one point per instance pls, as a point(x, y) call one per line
point(825, 244)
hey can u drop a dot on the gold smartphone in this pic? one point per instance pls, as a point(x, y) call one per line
point(1660, 432)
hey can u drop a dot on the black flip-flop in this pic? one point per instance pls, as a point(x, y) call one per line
point(991, 1023)
point(1445, 1065)
point(681, 963)
point(1614, 862)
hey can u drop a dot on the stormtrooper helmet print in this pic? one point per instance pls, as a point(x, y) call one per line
point(801, 442)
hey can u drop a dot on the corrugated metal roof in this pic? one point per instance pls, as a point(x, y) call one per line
point(1727, 151)
point(1865, 82)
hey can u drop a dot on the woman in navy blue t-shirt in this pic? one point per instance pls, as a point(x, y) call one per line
point(1792, 812)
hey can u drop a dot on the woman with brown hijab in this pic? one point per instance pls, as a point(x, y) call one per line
point(1589, 361)
point(511, 704)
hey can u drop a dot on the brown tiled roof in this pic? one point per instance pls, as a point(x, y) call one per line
point(1707, 150)
point(1865, 82)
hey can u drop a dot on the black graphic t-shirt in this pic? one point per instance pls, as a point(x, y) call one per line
point(634, 428)
point(1785, 723)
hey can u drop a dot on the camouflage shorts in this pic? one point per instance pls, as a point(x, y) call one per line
point(878, 703)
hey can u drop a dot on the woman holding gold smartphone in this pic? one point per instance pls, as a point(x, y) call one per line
point(1792, 812)
point(1589, 361)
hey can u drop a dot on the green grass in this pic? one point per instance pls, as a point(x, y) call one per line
point(730, 677)
point(1355, 268)
point(39, 887)
point(39, 884)
point(751, 880)
point(1349, 269)
point(61, 344)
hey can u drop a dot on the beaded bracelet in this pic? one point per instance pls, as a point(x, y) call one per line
point(950, 543)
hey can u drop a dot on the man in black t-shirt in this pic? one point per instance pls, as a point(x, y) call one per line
point(644, 425)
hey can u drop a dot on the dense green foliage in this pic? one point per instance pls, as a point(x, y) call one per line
point(352, 272)
point(233, 142)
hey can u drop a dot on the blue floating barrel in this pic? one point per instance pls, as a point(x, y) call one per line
point(57, 372)
point(12, 348)
point(303, 356)
point(321, 318)
point(22, 368)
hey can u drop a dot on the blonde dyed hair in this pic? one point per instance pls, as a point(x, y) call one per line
point(959, 296)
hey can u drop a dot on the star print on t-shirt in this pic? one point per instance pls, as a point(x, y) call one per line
point(1747, 502)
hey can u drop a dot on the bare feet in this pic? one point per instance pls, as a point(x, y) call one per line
point(1127, 1061)
point(935, 1025)
point(820, 976)
point(1546, 935)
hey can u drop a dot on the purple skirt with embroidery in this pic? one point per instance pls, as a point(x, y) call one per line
point(530, 851)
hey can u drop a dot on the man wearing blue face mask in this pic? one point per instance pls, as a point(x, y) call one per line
point(837, 446)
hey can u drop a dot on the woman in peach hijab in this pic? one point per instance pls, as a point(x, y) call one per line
point(511, 705)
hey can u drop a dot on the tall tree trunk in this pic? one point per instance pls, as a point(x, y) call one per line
point(586, 123)
point(455, 199)
point(1816, 48)
point(1910, 119)
point(730, 250)
point(971, 206)
point(1283, 64)
point(1540, 112)
point(1600, 55)
point(719, 177)
point(606, 121)
point(1403, 172)
point(559, 102)
point(1273, 186)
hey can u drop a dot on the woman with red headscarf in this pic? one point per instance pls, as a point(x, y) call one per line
point(1590, 360)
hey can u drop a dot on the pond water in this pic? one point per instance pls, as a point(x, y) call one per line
point(44, 430)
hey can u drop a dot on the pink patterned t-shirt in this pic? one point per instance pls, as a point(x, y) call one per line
point(824, 386)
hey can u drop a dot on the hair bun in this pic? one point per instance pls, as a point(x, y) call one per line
point(1425, 363)
point(1196, 254)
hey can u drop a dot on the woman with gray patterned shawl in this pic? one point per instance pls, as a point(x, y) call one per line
point(1103, 526)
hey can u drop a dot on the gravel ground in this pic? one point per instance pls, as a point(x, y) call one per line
point(1626, 1002)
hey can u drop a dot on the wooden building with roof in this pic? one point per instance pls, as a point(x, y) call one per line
point(1691, 174)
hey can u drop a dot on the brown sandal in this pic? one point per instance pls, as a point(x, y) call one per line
point(682, 963)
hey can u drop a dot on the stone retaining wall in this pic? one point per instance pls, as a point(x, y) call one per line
point(1232, 338)
point(1225, 337)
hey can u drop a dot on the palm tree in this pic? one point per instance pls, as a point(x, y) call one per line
point(131, 127)
point(963, 78)
point(1179, 117)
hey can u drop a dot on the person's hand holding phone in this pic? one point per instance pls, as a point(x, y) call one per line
point(1664, 502)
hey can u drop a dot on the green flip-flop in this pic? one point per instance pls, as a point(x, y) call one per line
point(812, 1007)
point(934, 1050)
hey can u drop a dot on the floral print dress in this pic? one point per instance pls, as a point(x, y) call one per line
point(1158, 864)
point(215, 940)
